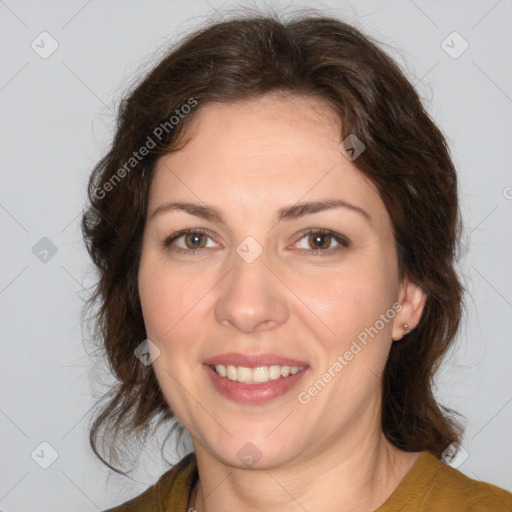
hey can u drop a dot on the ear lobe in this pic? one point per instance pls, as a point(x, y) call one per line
point(412, 299)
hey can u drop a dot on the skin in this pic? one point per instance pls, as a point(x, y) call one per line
point(249, 159)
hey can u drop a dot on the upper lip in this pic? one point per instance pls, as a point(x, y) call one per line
point(252, 360)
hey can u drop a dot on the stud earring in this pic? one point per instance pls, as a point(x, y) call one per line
point(405, 327)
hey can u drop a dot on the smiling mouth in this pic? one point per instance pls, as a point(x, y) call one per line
point(256, 375)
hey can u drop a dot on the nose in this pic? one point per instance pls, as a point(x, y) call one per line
point(252, 297)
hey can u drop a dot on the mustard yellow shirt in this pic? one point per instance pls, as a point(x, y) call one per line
point(430, 486)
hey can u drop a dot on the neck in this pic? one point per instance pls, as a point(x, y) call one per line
point(359, 479)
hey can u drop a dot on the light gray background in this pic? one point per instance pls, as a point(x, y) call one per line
point(57, 120)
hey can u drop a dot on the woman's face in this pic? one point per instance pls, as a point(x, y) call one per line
point(257, 295)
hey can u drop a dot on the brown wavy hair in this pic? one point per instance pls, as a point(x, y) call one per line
point(244, 57)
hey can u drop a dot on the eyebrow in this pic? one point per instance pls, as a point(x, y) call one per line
point(287, 213)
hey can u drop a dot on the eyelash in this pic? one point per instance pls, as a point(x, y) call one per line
point(343, 241)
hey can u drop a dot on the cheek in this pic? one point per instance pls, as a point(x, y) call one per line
point(169, 303)
point(348, 301)
point(356, 306)
point(168, 297)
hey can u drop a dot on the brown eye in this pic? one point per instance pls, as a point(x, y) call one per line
point(195, 240)
point(320, 240)
point(189, 241)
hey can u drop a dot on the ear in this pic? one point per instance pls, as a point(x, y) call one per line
point(412, 300)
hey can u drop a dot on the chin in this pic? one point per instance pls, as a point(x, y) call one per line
point(258, 451)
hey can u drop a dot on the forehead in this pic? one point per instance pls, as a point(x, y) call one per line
point(269, 126)
point(271, 149)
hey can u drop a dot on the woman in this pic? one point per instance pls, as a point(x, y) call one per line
point(275, 228)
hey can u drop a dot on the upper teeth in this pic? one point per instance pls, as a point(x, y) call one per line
point(256, 375)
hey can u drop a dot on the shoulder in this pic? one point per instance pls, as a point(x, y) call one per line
point(478, 496)
point(434, 486)
point(171, 489)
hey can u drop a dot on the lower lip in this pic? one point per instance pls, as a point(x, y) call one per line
point(254, 393)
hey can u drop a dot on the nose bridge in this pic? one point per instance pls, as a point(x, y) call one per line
point(251, 298)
